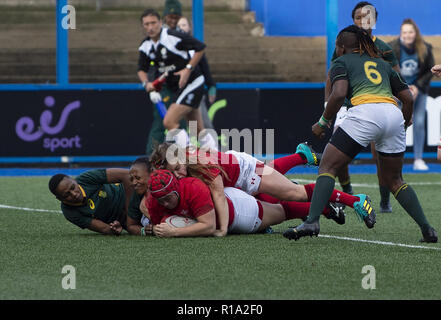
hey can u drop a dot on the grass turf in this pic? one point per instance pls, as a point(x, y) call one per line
point(36, 246)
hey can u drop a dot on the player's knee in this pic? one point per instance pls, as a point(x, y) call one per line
point(394, 184)
point(296, 193)
point(168, 124)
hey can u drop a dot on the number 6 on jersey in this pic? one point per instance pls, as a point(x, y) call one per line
point(372, 71)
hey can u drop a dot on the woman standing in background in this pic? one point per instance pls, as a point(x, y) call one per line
point(416, 60)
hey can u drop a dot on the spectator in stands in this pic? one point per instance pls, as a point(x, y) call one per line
point(416, 59)
point(184, 25)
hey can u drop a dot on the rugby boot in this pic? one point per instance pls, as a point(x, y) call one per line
point(337, 214)
point(364, 210)
point(430, 236)
point(305, 229)
point(313, 158)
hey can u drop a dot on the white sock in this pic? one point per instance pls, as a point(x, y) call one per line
point(207, 141)
point(178, 136)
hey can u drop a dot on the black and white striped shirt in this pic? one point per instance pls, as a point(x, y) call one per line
point(170, 53)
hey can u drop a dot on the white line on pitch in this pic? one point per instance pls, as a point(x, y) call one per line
point(374, 185)
point(27, 209)
point(320, 235)
point(379, 242)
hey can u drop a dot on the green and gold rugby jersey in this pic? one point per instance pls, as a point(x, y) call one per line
point(371, 80)
point(133, 211)
point(386, 52)
point(104, 201)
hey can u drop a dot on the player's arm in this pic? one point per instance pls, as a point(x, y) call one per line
point(119, 175)
point(205, 226)
point(328, 84)
point(336, 99)
point(401, 90)
point(101, 227)
point(220, 205)
point(406, 99)
point(143, 71)
point(188, 43)
point(184, 74)
point(327, 89)
point(339, 84)
point(134, 227)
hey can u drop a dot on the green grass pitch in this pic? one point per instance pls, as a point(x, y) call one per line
point(36, 245)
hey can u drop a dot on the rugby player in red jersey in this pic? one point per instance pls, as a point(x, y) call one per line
point(191, 198)
point(240, 170)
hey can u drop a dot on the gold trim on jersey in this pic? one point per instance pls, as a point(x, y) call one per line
point(370, 98)
point(82, 191)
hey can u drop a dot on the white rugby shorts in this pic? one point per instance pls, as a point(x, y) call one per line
point(246, 211)
point(249, 179)
point(382, 123)
point(341, 115)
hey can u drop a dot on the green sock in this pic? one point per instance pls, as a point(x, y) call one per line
point(324, 186)
point(408, 199)
point(385, 195)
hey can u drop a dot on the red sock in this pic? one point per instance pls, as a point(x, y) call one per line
point(266, 198)
point(337, 196)
point(285, 163)
point(342, 197)
point(309, 188)
point(298, 210)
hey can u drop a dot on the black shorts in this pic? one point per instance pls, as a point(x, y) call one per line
point(191, 95)
point(343, 142)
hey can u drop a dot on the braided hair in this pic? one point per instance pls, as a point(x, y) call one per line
point(357, 38)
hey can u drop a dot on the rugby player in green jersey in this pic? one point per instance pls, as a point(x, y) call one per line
point(96, 199)
point(370, 84)
point(138, 219)
point(364, 15)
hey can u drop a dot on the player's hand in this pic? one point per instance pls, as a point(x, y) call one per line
point(318, 131)
point(149, 87)
point(183, 74)
point(163, 230)
point(436, 70)
point(414, 90)
point(148, 229)
point(116, 227)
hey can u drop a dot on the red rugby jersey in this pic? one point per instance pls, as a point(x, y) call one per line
point(227, 162)
point(195, 200)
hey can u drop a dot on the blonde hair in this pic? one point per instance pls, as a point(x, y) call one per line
point(419, 44)
point(199, 170)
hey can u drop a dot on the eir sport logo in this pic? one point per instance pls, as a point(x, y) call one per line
point(24, 128)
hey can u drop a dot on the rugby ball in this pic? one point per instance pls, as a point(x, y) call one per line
point(179, 222)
